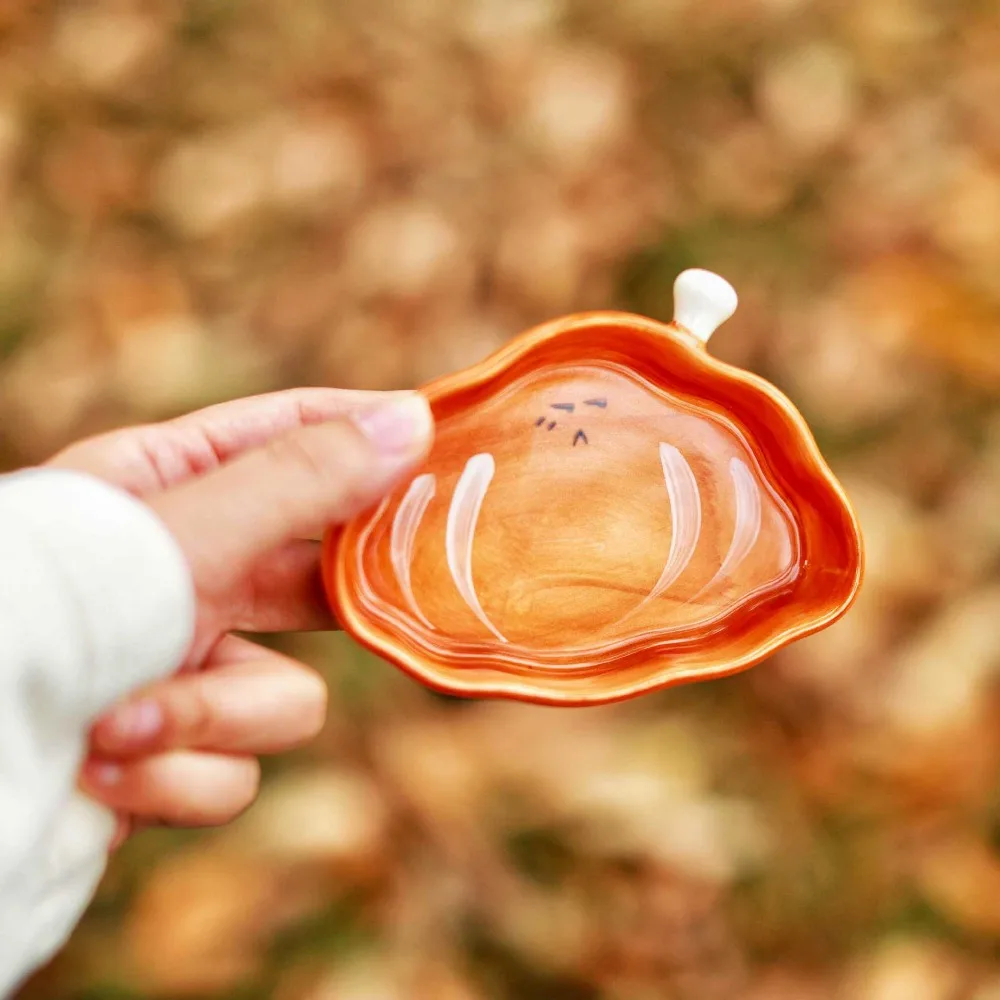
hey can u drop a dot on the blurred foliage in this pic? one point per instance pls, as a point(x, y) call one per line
point(211, 198)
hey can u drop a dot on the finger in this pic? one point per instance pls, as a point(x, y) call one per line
point(293, 488)
point(267, 705)
point(155, 457)
point(181, 788)
point(284, 592)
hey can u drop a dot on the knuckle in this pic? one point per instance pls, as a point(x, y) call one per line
point(337, 458)
point(300, 450)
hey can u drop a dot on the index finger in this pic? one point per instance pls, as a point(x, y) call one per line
point(154, 457)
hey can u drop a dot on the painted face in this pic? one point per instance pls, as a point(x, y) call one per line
point(589, 512)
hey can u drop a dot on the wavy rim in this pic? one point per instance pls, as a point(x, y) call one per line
point(334, 563)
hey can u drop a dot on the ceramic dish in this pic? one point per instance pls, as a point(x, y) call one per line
point(607, 510)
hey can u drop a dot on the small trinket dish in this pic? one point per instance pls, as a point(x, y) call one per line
point(607, 510)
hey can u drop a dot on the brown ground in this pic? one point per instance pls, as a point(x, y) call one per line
point(206, 199)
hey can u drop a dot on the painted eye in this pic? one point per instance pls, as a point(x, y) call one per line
point(607, 510)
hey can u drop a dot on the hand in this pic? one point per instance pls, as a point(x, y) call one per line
point(246, 489)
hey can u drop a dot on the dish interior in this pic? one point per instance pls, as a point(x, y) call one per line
point(578, 509)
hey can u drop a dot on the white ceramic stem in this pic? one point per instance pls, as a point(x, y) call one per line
point(703, 302)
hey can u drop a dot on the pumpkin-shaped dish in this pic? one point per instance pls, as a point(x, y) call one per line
point(606, 510)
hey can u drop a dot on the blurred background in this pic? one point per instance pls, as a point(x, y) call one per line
point(205, 199)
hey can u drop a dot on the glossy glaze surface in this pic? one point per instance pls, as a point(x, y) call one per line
point(606, 510)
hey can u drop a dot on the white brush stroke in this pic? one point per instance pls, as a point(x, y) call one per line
point(404, 533)
point(685, 518)
point(746, 529)
point(463, 514)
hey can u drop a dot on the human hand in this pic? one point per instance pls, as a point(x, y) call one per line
point(246, 488)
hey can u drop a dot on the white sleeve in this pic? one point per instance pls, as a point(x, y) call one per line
point(95, 600)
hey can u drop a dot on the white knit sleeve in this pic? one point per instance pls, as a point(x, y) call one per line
point(95, 600)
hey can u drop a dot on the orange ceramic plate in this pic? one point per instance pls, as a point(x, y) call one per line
point(607, 510)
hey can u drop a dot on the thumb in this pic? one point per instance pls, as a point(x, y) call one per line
point(294, 487)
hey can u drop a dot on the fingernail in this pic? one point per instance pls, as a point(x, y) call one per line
point(103, 773)
point(397, 427)
point(132, 725)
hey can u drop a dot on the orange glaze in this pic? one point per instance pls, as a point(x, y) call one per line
point(606, 510)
